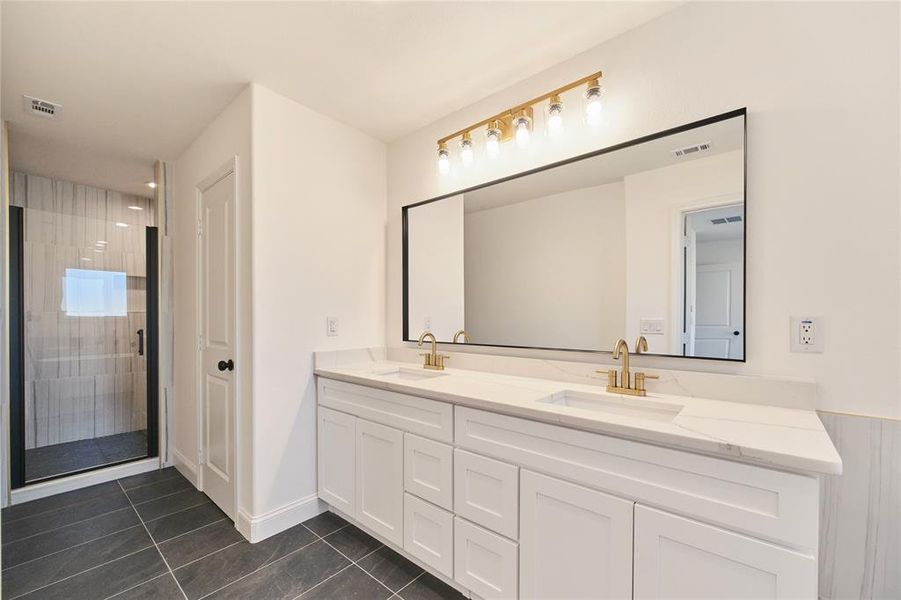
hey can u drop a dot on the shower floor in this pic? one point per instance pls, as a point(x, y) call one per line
point(67, 457)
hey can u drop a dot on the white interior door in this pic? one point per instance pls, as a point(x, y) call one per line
point(718, 315)
point(217, 338)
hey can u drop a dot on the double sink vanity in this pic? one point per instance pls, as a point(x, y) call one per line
point(517, 487)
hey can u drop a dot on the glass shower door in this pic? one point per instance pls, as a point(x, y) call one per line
point(88, 275)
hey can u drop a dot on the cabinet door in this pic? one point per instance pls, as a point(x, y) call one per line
point(428, 470)
point(574, 542)
point(337, 456)
point(380, 480)
point(429, 534)
point(485, 562)
point(486, 491)
point(676, 557)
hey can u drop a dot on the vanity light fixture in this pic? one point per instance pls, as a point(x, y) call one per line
point(517, 122)
point(443, 158)
point(466, 149)
point(593, 104)
point(555, 116)
point(523, 124)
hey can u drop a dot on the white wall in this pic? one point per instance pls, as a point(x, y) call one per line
point(435, 242)
point(318, 251)
point(654, 201)
point(823, 144)
point(226, 137)
point(549, 271)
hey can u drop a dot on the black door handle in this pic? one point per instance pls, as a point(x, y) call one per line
point(140, 342)
point(736, 333)
point(227, 366)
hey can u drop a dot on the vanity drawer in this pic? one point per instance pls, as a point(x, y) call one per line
point(428, 470)
point(775, 505)
point(429, 534)
point(485, 562)
point(486, 491)
point(423, 417)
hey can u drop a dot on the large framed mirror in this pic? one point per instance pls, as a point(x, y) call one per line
point(642, 238)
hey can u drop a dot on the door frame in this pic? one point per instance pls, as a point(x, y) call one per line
point(677, 266)
point(229, 167)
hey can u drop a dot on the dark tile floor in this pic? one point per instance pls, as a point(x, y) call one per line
point(154, 536)
point(68, 457)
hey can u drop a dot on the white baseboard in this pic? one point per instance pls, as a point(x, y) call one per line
point(82, 480)
point(185, 467)
point(256, 529)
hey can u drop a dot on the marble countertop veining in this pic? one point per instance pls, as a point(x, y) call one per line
point(784, 438)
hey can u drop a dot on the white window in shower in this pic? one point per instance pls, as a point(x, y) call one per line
point(90, 293)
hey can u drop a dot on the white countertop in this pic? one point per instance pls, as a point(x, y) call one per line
point(784, 438)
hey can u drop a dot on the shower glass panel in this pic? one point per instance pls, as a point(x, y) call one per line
point(84, 323)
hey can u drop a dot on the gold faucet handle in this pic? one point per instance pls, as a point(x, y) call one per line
point(640, 379)
point(428, 358)
point(611, 377)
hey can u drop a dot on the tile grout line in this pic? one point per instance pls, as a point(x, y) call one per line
point(103, 564)
point(135, 586)
point(397, 593)
point(76, 503)
point(28, 537)
point(155, 545)
point(303, 593)
point(260, 568)
point(71, 547)
point(207, 501)
point(175, 537)
point(208, 554)
point(353, 562)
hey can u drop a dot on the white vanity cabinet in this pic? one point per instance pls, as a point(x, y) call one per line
point(507, 507)
point(574, 542)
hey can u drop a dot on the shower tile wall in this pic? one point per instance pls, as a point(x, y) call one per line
point(83, 376)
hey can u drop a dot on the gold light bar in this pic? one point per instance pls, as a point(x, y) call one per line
point(505, 118)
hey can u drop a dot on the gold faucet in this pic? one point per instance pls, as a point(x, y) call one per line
point(464, 334)
point(621, 383)
point(433, 360)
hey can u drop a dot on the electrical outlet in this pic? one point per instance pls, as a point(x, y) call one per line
point(331, 326)
point(807, 334)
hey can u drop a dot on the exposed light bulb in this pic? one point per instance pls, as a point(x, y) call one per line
point(493, 140)
point(121, 224)
point(523, 135)
point(466, 150)
point(593, 104)
point(135, 207)
point(555, 116)
point(443, 159)
point(151, 185)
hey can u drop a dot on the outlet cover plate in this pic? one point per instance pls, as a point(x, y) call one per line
point(807, 334)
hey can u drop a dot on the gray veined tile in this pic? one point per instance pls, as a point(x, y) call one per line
point(184, 521)
point(325, 523)
point(27, 509)
point(15, 553)
point(288, 577)
point(352, 542)
point(349, 584)
point(61, 517)
point(39, 573)
point(160, 507)
point(199, 543)
point(156, 490)
point(429, 587)
point(221, 568)
point(390, 568)
point(106, 580)
point(160, 588)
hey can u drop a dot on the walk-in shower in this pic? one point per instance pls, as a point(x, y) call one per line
point(82, 314)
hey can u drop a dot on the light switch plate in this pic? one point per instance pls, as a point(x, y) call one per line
point(651, 326)
point(331, 326)
point(807, 334)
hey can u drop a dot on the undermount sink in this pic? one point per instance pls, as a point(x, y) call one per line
point(407, 374)
point(639, 408)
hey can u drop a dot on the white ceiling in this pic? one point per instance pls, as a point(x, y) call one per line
point(139, 81)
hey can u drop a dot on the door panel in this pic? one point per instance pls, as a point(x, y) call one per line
point(718, 325)
point(676, 557)
point(380, 479)
point(575, 543)
point(337, 459)
point(217, 335)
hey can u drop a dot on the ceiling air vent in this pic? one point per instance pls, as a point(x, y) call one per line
point(724, 220)
point(691, 149)
point(42, 108)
